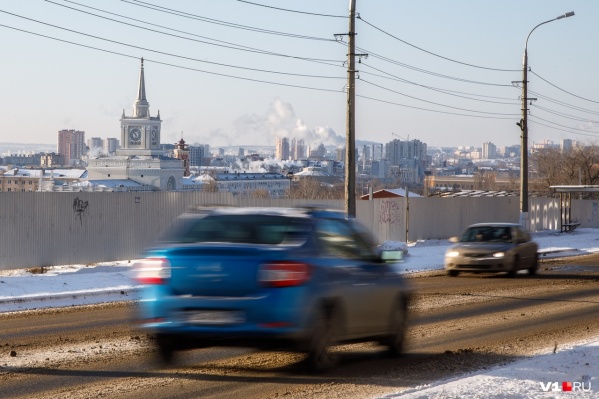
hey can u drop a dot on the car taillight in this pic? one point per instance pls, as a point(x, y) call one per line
point(152, 270)
point(283, 274)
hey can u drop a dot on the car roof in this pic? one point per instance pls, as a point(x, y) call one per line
point(498, 224)
point(306, 212)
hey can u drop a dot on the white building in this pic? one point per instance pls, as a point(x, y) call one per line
point(140, 158)
point(277, 185)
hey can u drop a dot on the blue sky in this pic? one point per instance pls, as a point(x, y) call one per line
point(407, 85)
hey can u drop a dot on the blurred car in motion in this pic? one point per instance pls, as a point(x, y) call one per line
point(492, 247)
point(294, 279)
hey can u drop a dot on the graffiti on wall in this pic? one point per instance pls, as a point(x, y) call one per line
point(79, 207)
point(389, 212)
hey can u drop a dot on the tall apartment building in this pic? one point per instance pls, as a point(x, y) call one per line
point(95, 142)
point(71, 145)
point(282, 148)
point(298, 149)
point(198, 155)
point(489, 151)
point(111, 144)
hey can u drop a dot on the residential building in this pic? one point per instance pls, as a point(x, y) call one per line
point(71, 145)
point(282, 148)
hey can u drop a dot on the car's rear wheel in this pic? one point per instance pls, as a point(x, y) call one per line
point(325, 334)
point(166, 348)
point(535, 265)
point(453, 273)
point(399, 317)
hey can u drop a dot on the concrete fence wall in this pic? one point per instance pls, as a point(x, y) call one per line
point(45, 229)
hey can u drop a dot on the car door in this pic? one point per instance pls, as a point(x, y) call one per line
point(366, 296)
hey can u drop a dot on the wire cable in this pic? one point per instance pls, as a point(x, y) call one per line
point(559, 88)
point(428, 109)
point(431, 53)
point(294, 11)
point(555, 128)
point(434, 103)
point(228, 45)
point(220, 22)
point(392, 61)
point(562, 126)
point(564, 115)
point(444, 91)
point(170, 54)
point(169, 64)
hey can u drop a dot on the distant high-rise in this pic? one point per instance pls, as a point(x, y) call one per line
point(298, 149)
point(111, 144)
point(489, 151)
point(566, 145)
point(95, 142)
point(282, 148)
point(197, 155)
point(241, 153)
point(71, 145)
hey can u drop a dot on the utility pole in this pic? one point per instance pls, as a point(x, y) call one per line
point(350, 125)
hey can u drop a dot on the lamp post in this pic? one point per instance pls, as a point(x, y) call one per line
point(524, 127)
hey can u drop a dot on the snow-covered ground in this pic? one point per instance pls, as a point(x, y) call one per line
point(532, 378)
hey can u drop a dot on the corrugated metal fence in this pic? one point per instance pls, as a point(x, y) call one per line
point(44, 229)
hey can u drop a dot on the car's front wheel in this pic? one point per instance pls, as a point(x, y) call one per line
point(515, 267)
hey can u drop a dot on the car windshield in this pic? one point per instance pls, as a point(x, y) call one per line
point(487, 234)
point(244, 229)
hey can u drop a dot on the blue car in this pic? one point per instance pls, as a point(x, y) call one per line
point(297, 279)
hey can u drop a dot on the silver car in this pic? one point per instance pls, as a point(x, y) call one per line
point(492, 247)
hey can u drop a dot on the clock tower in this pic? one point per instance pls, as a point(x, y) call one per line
point(140, 164)
point(140, 133)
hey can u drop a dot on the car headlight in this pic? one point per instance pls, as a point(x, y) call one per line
point(499, 254)
point(452, 254)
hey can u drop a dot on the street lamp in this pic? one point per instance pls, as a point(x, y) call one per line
point(524, 127)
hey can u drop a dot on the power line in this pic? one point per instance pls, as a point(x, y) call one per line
point(564, 115)
point(565, 91)
point(563, 104)
point(392, 61)
point(568, 131)
point(431, 53)
point(169, 64)
point(183, 14)
point(430, 110)
point(228, 45)
point(434, 103)
point(170, 54)
point(562, 126)
point(294, 11)
point(444, 91)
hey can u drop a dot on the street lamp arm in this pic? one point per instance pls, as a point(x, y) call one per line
point(566, 15)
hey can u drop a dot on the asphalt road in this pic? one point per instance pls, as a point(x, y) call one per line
point(458, 324)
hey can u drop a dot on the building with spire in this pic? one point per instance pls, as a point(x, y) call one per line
point(140, 160)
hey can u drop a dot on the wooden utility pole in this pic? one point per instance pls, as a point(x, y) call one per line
point(350, 126)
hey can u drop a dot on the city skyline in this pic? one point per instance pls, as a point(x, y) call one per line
point(440, 72)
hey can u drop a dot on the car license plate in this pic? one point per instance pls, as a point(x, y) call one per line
point(214, 317)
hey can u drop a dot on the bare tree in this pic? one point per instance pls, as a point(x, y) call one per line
point(578, 165)
point(210, 186)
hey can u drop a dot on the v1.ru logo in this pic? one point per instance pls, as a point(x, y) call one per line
point(565, 386)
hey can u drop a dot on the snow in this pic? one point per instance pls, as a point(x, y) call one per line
point(74, 285)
